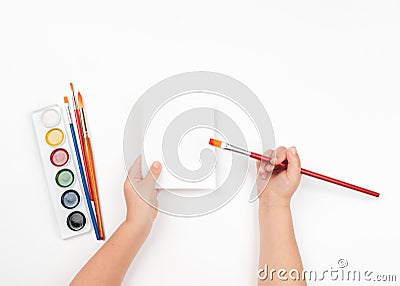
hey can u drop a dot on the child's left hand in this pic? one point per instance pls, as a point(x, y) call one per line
point(109, 265)
point(141, 196)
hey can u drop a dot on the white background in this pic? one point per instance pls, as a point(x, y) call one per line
point(327, 72)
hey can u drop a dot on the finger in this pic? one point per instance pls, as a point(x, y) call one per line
point(262, 172)
point(261, 169)
point(281, 155)
point(151, 178)
point(264, 166)
point(294, 164)
point(269, 154)
point(135, 172)
point(270, 165)
point(278, 152)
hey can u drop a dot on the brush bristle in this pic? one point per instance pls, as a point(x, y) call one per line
point(65, 99)
point(72, 87)
point(215, 143)
point(80, 101)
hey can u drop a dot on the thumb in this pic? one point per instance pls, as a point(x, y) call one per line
point(294, 166)
point(151, 178)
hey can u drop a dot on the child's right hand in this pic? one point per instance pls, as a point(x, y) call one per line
point(283, 182)
point(141, 209)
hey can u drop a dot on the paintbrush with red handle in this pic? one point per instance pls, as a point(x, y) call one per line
point(90, 162)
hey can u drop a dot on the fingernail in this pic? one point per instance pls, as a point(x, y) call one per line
point(156, 165)
point(293, 150)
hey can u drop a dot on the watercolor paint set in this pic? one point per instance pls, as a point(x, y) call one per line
point(68, 168)
point(62, 176)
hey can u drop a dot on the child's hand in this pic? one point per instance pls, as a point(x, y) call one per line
point(109, 265)
point(139, 212)
point(283, 182)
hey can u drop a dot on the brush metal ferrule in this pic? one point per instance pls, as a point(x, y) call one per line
point(68, 111)
point(235, 149)
point(74, 101)
point(83, 122)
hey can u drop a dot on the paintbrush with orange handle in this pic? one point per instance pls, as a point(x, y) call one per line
point(90, 162)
